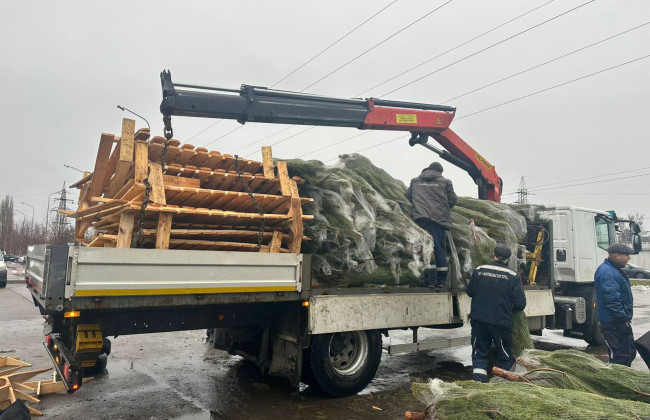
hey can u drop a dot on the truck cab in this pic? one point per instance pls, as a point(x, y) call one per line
point(580, 240)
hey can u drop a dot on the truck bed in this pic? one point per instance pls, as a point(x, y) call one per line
point(111, 278)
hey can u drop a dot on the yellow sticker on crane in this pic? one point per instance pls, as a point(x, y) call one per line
point(406, 118)
point(483, 161)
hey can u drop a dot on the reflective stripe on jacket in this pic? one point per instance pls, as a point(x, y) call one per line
point(496, 291)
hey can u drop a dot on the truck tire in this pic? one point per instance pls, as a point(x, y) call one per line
point(342, 364)
point(100, 366)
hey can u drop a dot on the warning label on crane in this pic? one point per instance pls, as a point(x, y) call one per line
point(483, 161)
point(406, 118)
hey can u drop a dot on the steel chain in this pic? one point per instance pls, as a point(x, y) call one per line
point(169, 133)
point(255, 202)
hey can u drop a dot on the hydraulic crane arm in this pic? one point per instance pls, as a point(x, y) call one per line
point(257, 104)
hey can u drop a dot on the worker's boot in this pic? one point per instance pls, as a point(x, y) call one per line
point(430, 277)
point(441, 277)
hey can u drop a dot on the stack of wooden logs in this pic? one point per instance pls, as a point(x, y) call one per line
point(195, 199)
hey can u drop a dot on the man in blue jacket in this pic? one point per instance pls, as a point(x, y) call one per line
point(433, 196)
point(495, 291)
point(614, 303)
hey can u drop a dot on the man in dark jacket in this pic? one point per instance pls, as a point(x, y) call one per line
point(495, 291)
point(614, 303)
point(433, 196)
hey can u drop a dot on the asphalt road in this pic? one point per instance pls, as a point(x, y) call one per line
point(178, 376)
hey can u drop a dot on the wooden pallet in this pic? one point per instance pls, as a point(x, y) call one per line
point(16, 385)
point(191, 189)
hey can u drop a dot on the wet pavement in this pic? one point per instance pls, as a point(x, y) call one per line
point(179, 376)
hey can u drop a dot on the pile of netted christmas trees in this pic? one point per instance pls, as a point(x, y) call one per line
point(564, 384)
point(362, 233)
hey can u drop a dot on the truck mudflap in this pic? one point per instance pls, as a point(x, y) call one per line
point(67, 367)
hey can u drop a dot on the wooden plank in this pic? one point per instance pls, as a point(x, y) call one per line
point(141, 161)
point(289, 187)
point(119, 179)
point(112, 163)
point(276, 242)
point(267, 162)
point(163, 230)
point(127, 140)
point(101, 163)
point(157, 181)
point(285, 181)
point(125, 232)
point(187, 153)
point(142, 134)
point(87, 177)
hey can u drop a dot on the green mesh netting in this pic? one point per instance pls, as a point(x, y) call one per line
point(468, 400)
point(573, 369)
point(362, 233)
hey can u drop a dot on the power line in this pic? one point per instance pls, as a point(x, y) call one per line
point(487, 48)
point(378, 44)
point(592, 182)
point(516, 99)
point(553, 87)
point(219, 138)
point(286, 138)
point(334, 43)
point(206, 129)
point(544, 63)
point(334, 144)
point(453, 48)
point(585, 179)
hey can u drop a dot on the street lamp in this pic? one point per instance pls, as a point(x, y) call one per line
point(22, 202)
point(72, 167)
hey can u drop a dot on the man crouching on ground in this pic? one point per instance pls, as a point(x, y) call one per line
point(495, 291)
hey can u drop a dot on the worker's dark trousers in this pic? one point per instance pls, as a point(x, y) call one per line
point(438, 233)
point(482, 336)
point(620, 342)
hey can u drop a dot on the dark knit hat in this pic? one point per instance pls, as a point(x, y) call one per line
point(436, 167)
point(619, 248)
point(502, 252)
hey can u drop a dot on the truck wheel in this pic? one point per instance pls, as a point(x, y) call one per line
point(342, 364)
point(100, 365)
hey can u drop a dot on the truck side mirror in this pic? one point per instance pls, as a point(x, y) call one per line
point(634, 227)
point(636, 243)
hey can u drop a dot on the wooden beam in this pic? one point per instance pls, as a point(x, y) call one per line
point(157, 182)
point(267, 162)
point(276, 242)
point(141, 161)
point(285, 181)
point(101, 163)
point(125, 232)
point(179, 181)
point(127, 140)
point(163, 230)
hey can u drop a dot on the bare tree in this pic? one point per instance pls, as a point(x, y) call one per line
point(6, 222)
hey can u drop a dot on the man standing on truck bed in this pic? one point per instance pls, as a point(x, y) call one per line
point(495, 291)
point(614, 304)
point(433, 196)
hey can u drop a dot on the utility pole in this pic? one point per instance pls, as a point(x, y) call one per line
point(60, 225)
point(522, 192)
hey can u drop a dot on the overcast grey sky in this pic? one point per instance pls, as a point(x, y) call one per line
point(580, 119)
